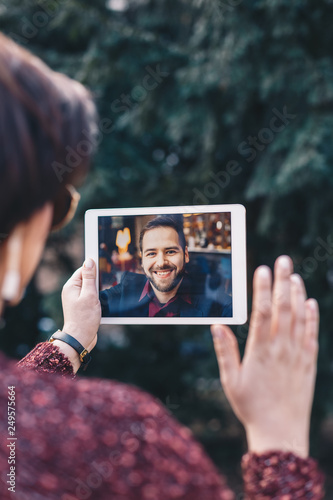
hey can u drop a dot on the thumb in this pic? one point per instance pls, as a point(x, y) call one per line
point(227, 353)
point(89, 276)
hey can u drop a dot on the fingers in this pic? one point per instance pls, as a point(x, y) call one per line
point(76, 278)
point(297, 298)
point(227, 353)
point(262, 305)
point(73, 285)
point(281, 299)
point(311, 326)
point(89, 277)
point(83, 280)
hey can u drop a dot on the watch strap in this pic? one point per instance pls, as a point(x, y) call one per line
point(84, 355)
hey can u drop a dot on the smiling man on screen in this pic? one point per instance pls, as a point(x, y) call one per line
point(165, 289)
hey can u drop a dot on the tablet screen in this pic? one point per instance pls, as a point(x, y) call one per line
point(172, 265)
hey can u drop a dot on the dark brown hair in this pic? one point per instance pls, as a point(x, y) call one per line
point(43, 115)
point(173, 221)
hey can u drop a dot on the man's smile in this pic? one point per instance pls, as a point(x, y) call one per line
point(163, 274)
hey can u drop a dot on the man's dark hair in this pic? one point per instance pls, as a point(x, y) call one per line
point(173, 221)
point(45, 119)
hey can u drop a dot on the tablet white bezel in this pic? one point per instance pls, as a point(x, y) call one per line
point(238, 259)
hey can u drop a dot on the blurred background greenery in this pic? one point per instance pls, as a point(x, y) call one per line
point(211, 101)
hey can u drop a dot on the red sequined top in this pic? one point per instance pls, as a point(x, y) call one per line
point(101, 440)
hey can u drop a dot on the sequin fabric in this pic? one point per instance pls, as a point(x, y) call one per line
point(102, 440)
point(47, 358)
point(281, 476)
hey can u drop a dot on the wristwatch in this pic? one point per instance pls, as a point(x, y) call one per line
point(84, 355)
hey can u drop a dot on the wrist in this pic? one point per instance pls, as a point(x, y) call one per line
point(83, 333)
point(287, 439)
point(84, 354)
point(70, 354)
point(74, 330)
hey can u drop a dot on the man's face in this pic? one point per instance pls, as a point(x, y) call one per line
point(163, 259)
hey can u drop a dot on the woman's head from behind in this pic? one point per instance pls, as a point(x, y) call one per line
point(43, 117)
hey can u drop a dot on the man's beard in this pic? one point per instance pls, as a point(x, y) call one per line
point(167, 287)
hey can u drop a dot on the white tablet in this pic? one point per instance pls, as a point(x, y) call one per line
point(169, 265)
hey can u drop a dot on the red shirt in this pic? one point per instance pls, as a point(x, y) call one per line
point(167, 310)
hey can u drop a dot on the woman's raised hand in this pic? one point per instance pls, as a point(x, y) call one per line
point(271, 390)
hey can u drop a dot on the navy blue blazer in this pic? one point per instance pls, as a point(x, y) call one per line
point(123, 300)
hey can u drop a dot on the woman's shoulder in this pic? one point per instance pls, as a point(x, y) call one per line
point(109, 422)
